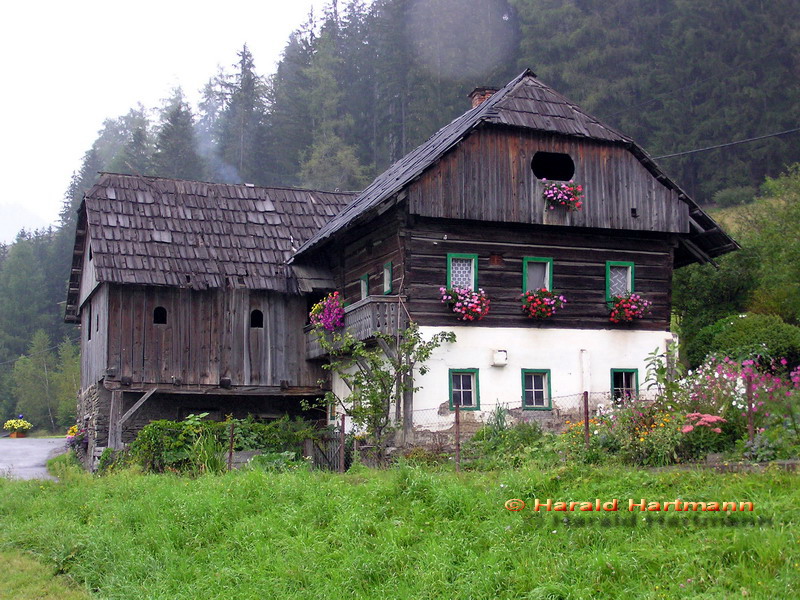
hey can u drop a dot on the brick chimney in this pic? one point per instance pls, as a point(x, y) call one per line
point(480, 95)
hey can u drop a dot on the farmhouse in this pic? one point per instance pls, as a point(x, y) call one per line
point(194, 296)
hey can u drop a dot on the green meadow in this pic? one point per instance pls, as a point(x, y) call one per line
point(406, 532)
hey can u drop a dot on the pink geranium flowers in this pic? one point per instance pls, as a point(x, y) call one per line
point(625, 309)
point(542, 304)
point(328, 313)
point(468, 305)
point(567, 194)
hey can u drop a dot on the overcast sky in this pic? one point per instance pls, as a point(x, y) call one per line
point(67, 66)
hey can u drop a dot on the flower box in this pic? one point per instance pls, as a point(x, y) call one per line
point(468, 305)
point(541, 304)
point(567, 194)
point(625, 309)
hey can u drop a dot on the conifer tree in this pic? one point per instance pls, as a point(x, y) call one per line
point(176, 148)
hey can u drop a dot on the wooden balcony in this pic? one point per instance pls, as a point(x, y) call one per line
point(363, 319)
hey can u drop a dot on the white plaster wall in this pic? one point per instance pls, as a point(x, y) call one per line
point(578, 360)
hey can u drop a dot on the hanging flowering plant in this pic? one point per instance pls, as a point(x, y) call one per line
point(567, 194)
point(625, 309)
point(468, 305)
point(76, 438)
point(542, 304)
point(17, 425)
point(328, 312)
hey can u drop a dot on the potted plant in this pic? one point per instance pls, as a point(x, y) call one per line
point(468, 305)
point(328, 313)
point(565, 193)
point(542, 304)
point(629, 307)
point(17, 427)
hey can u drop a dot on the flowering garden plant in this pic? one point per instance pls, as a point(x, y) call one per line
point(468, 305)
point(17, 425)
point(542, 304)
point(76, 438)
point(566, 194)
point(625, 309)
point(328, 312)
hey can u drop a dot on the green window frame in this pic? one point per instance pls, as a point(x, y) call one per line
point(618, 263)
point(527, 260)
point(363, 286)
point(388, 274)
point(473, 257)
point(621, 384)
point(457, 379)
point(529, 389)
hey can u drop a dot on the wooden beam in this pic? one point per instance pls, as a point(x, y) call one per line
point(114, 436)
point(128, 414)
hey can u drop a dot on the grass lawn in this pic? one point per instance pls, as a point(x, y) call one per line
point(24, 578)
point(408, 533)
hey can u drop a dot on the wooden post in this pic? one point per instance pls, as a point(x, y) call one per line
point(114, 424)
point(230, 448)
point(458, 435)
point(341, 447)
point(586, 419)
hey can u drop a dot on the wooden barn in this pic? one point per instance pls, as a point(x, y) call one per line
point(467, 208)
point(186, 303)
point(194, 296)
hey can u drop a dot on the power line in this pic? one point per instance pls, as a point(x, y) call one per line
point(753, 139)
point(8, 362)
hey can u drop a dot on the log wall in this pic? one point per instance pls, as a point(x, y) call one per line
point(579, 271)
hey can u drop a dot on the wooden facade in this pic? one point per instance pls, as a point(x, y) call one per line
point(488, 177)
point(208, 337)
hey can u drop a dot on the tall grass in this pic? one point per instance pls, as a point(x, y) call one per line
point(404, 533)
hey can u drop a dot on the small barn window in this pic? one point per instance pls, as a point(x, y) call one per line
point(89, 321)
point(256, 319)
point(619, 279)
point(160, 316)
point(537, 273)
point(553, 166)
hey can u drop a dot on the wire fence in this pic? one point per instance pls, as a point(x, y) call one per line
point(444, 430)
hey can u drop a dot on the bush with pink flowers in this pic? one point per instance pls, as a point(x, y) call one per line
point(328, 313)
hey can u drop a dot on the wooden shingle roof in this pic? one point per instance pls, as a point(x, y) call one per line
point(528, 103)
point(168, 232)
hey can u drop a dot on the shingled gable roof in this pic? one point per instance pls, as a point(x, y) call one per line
point(524, 102)
point(168, 232)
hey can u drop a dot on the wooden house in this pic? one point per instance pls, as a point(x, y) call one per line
point(467, 208)
point(186, 303)
point(194, 296)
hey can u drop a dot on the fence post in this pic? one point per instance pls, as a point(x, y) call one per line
point(230, 448)
point(586, 419)
point(457, 404)
point(341, 447)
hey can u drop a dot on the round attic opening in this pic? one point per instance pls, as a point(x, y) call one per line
point(553, 166)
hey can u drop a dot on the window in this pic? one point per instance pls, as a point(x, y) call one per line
point(619, 279)
point(387, 278)
point(256, 319)
point(464, 389)
point(537, 273)
point(462, 271)
point(364, 285)
point(536, 389)
point(160, 316)
point(624, 383)
point(553, 165)
point(89, 321)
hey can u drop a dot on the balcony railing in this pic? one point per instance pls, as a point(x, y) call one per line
point(363, 319)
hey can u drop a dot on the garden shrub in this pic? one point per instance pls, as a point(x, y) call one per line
point(197, 446)
point(747, 335)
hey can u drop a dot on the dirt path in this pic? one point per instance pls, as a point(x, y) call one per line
point(26, 458)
